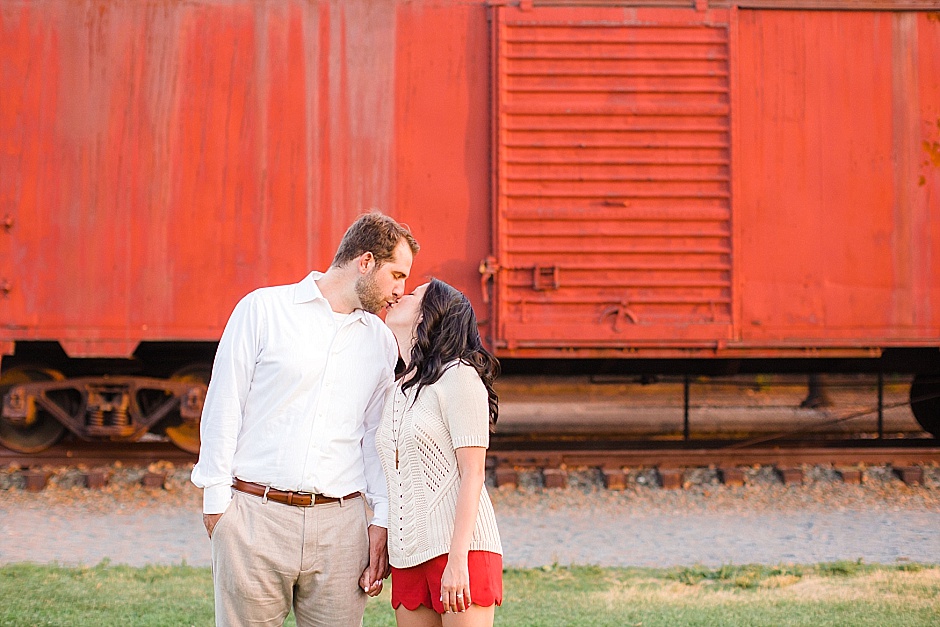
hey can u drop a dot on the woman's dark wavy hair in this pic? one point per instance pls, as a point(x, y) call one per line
point(447, 332)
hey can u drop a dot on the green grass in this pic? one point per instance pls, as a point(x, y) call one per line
point(840, 593)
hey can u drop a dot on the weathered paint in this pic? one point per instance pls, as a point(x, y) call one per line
point(828, 242)
point(162, 159)
point(159, 160)
point(614, 177)
point(839, 236)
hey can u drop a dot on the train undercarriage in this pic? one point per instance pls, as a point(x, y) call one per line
point(46, 395)
point(160, 393)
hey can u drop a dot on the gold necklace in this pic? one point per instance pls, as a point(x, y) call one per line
point(396, 426)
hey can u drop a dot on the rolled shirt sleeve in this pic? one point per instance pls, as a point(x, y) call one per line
point(376, 490)
point(224, 407)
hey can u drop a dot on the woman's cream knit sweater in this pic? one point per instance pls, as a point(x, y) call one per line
point(422, 490)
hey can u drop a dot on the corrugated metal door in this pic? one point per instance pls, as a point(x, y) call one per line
point(613, 223)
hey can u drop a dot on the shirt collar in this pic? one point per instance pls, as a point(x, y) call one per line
point(308, 291)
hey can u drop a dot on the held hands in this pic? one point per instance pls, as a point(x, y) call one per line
point(378, 568)
point(455, 584)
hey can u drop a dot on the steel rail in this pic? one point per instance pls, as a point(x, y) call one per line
point(555, 453)
point(558, 454)
point(99, 454)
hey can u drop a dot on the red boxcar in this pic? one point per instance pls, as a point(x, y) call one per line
point(640, 180)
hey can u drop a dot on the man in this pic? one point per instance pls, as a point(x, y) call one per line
point(288, 438)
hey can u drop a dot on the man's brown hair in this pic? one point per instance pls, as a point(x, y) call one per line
point(373, 232)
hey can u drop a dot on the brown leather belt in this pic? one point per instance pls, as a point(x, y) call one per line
point(299, 499)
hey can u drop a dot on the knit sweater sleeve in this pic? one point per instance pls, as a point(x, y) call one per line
point(465, 406)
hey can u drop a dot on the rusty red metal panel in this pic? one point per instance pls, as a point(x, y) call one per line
point(160, 160)
point(613, 178)
point(442, 142)
point(838, 246)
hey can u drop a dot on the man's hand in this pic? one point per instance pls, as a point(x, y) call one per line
point(210, 521)
point(378, 569)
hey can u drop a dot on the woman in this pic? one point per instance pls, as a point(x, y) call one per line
point(443, 544)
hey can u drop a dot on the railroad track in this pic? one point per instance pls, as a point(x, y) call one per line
point(585, 451)
point(99, 454)
point(549, 454)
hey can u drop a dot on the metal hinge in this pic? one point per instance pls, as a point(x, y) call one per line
point(488, 269)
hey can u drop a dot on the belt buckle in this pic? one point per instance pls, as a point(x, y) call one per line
point(301, 495)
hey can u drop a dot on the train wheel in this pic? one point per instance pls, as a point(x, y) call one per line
point(41, 430)
point(185, 435)
point(925, 402)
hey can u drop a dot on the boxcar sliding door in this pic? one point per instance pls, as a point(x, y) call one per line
point(612, 190)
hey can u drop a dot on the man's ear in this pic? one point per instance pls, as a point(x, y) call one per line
point(366, 262)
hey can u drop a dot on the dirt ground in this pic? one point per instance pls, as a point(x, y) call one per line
point(881, 520)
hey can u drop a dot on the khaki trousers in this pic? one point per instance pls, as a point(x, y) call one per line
point(269, 557)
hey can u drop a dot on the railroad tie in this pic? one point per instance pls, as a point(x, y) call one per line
point(555, 478)
point(911, 475)
point(506, 476)
point(852, 476)
point(614, 478)
point(36, 479)
point(154, 480)
point(670, 478)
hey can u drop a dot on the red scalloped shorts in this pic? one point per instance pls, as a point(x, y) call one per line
point(421, 584)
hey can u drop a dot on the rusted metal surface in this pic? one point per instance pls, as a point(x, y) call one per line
point(834, 186)
point(845, 456)
point(94, 454)
point(114, 408)
point(722, 458)
point(614, 217)
point(716, 183)
point(706, 181)
point(160, 160)
point(810, 5)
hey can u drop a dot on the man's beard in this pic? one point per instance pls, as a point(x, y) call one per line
point(370, 296)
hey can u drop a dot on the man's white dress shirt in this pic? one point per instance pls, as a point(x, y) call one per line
point(295, 398)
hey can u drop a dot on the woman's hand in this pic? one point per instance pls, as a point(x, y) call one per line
point(455, 584)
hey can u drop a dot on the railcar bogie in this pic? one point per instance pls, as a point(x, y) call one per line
point(41, 404)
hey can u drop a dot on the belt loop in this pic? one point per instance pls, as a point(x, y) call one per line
point(264, 498)
point(342, 500)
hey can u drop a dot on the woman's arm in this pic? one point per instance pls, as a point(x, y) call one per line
point(471, 464)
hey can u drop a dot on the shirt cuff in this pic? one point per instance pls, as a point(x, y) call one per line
point(215, 499)
point(380, 515)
